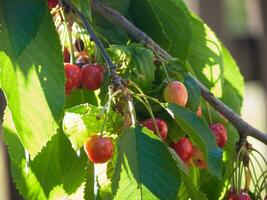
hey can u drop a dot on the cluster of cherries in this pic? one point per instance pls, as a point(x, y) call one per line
point(176, 92)
point(82, 74)
point(100, 149)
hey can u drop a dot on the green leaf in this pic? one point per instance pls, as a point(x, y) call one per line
point(34, 85)
point(200, 133)
point(233, 85)
point(213, 65)
point(193, 93)
point(20, 21)
point(55, 170)
point(81, 96)
point(137, 64)
point(191, 189)
point(82, 121)
point(26, 183)
point(167, 22)
point(58, 164)
point(145, 169)
point(104, 193)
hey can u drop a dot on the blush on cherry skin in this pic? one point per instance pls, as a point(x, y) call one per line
point(232, 195)
point(183, 148)
point(161, 124)
point(199, 112)
point(198, 158)
point(52, 4)
point(73, 77)
point(176, 92)
point(99, 149)
point(220, 133)
point(92, 76)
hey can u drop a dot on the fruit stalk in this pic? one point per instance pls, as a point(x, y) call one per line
point(244, 129)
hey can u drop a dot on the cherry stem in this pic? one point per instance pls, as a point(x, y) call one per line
point(115, 78)
point(108, 106)
point(263, 185)
point(132, 111)
point(69, 34)
point(260, 155)
point(253, 156)
point(150, 113)
point(147, 104)
point(163, 65)
point(254, 181)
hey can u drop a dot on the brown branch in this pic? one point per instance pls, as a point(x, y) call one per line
point(115, 17)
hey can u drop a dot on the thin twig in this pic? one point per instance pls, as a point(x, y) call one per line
point(115, 17)
point(115, 78)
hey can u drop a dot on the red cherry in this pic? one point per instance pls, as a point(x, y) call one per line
point(52, 4)
point(220, 134)
point(99, 149)
point(66, 55)
point(244, 196)
point(175, 92)
point(161, 124)
point(73, 77)
point(92, 76)
point(199, 112)
point(183, 148)
point(232, 195)
point(198, 158)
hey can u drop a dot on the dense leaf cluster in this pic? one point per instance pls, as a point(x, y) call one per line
point(42, 122)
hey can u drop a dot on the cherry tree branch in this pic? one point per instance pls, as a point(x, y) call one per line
point(244, 129)
point(115, 78)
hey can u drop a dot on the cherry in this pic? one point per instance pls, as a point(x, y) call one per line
point(92, 76)
point(79, 44)
point(99, 149)
point(73, 77)
point(199, 112)
point(66, 55)
point(183, 148)
point(175, 92)
point(198, 158)
point(232, 195)
point(161, 124)
point(52, 4)
point(220, 134)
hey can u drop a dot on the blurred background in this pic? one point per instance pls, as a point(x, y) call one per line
point(242, 26)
